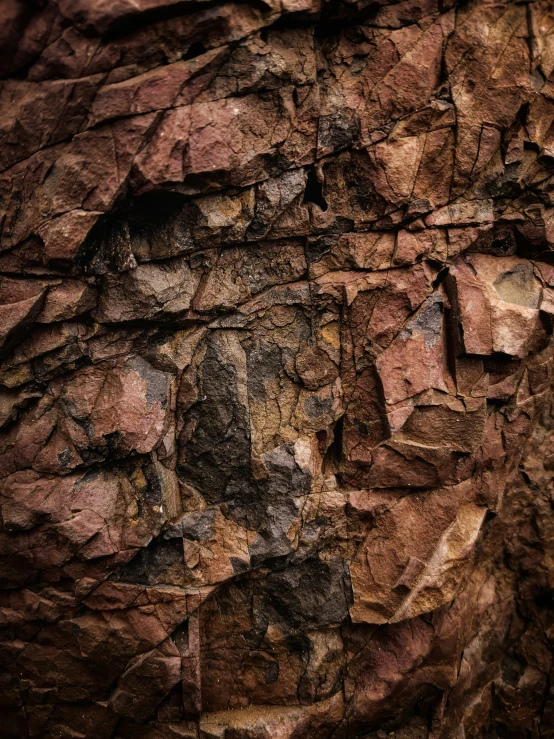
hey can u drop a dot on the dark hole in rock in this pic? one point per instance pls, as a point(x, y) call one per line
point(314, 191)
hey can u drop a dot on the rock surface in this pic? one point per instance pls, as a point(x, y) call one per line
point(277, 365)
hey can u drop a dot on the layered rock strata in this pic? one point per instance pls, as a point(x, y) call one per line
point(276, 317)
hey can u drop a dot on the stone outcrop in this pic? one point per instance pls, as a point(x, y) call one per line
point(276, 336)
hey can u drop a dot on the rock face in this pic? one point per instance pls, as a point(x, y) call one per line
point(276, 335)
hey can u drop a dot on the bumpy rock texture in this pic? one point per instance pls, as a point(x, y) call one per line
point(276, 312)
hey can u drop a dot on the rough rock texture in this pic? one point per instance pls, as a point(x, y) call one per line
point(276, 317)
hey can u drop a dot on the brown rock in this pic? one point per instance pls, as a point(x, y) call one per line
point(276, 369)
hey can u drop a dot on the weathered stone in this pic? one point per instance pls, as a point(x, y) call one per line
point(276, 421)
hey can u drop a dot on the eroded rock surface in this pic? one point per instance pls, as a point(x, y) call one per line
point(276, 336)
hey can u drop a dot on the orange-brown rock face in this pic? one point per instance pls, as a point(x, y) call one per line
point(276, 335)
